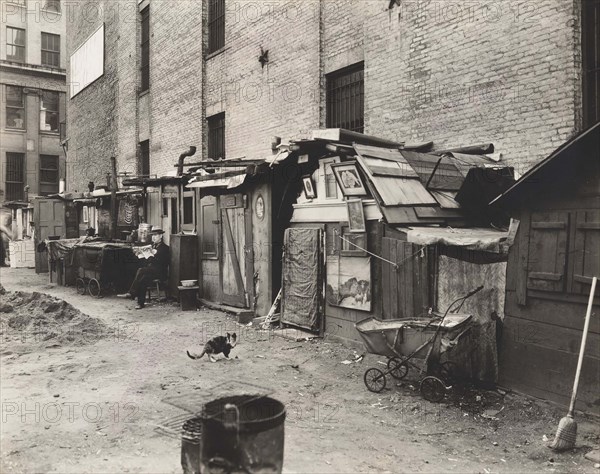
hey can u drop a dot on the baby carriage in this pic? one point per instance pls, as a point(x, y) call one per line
point(407, 341)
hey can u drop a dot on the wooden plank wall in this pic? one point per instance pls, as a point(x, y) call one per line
point(542, 329)
point(405, 289)
point(339, 322)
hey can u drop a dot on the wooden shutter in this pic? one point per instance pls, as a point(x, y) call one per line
point(548, 251)
point(585, 251)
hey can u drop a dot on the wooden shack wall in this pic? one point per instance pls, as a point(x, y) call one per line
point(542, 329)
point(339, 321)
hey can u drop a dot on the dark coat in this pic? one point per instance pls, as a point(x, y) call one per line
point(160, 261)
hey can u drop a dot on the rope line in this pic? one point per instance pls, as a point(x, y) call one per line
point(396, 265)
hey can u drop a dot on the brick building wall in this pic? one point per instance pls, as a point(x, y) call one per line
point(176, 115)
point(450, 72)
point(281, 99)
point(461, 74)
point(94, 113)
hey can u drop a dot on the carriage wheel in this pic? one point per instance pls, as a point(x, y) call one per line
point(397, 368)
point(433, 389)
point(94, 288)
point(81, 286)
point(374, 380)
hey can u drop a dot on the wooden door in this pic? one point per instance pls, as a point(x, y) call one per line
point(405, 289)
point(49, 216)
point(235, 257)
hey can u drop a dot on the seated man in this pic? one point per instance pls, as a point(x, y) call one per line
point(155, 269)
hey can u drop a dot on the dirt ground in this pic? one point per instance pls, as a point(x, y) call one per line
point(106, 401)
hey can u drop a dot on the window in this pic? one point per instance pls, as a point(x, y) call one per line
point(52, 5)
point(216, 25)
point(48, 174)
point(49, 113)
point(210, 227)
point(145, 46)
point(216, 136)
point(50, 50)
point(15, 44)
point(188, 210)
point(15, 173)
point(15, 107)
point(144, 165)
point(590, 17)
point(345, 99)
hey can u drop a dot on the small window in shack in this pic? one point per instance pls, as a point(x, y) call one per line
point(188, 210)
point(209, 230)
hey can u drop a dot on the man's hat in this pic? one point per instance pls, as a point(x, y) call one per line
point(157, 230)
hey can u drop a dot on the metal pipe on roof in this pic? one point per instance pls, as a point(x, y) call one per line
point(482, 149)
point(182, 157)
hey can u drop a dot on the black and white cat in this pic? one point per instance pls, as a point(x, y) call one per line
point(217, 345)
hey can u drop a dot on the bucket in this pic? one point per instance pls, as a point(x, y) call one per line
point(144, 233)
point(242, 433)
point(191, 437)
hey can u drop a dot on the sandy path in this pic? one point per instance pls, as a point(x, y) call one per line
point(95, 408)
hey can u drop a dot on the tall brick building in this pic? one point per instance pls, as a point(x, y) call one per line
point(32, 85)
point(443, 71)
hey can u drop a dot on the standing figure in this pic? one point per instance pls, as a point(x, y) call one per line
point(157, 268)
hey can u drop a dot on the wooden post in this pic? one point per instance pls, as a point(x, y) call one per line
point(113, 199)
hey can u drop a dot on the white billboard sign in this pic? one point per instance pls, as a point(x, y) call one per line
point(87, 62)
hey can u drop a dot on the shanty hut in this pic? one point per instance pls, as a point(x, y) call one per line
point(392, 231)
point(550, 269)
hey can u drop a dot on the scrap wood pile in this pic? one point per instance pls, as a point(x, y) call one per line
point(38, 318)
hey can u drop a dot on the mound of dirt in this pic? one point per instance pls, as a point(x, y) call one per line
point(40, 318)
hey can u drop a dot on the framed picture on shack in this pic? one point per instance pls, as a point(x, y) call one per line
point(309, 187)
point(349, 282)
point(349, 179)
point(356, 216)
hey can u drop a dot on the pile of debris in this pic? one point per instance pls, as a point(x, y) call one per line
point(40, 318)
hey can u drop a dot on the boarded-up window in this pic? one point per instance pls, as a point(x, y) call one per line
point(209, 229)
point(586, 251)
point(546, 268)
